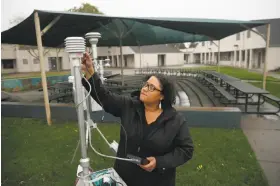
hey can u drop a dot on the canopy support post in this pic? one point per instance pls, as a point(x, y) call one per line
point(42, 66)
point(50, 25)
point(267, 41)
point(266, 55)
point(140, 56)
point(121, 53)
point(219, 56)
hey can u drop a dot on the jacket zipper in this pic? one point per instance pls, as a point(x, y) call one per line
point(141, 132)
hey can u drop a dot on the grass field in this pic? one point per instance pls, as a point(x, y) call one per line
point(272, 84)
point(240, 73)
point(272, 87)
point(232, 71)
point(36, 154)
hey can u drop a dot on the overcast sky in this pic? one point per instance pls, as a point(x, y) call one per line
point(222, 9)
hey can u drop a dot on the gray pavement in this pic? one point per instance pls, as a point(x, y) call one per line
point(29, 96)
point(275, 75)
point(264, 138)
point(272, 74)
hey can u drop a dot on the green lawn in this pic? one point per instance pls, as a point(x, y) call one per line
point(240, 73)
point(272, 84)
point(272, 87)
point(36, 154)
point(32, 75)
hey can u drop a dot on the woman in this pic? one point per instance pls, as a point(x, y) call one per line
point(157, 133)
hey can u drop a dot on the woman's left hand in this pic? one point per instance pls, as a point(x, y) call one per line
point(151, 166)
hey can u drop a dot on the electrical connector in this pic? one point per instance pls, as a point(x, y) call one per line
point(114, 146)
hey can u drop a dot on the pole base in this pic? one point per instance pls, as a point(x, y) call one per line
point(103, 177)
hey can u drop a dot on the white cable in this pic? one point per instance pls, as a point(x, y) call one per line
point(106, 156)
point(103, 136)
point(89, 131)
point(88, 92)
point(104, 111)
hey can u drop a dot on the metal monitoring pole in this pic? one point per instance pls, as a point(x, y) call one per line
point(140, 56)
point(42, 66)
point(75, 46)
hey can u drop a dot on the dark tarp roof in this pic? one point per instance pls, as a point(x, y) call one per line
point(274, 31)
point(144, 31)
point(156, 49)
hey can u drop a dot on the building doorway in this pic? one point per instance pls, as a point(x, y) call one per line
point(55, 64)
point(259, 59)
point(161, 60)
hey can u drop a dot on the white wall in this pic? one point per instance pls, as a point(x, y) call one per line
point(31, 67)
point(137, 63)
point(148, 60)
point(255, 43)
point(105, 51)
point(130, 61)
point(227, 44)
point(273, 58)
point(172, 59)
point(8, 51)
point(65, 60)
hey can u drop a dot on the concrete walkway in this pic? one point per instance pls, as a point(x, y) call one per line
point(34, 96)
point(264, 138)
point(272, 74)
point(275, 75)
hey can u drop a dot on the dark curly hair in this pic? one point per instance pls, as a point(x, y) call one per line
point(168, 89)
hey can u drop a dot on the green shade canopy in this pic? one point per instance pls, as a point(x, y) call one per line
point(131, 31)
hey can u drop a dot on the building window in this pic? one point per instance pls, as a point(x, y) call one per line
point(25, 61)
point(203, 43)
point(248, 33)
point(186, 57)
point(8, 64)
point(238, 36)
point(225, 56)
point(36, 61)
point(237, 55)
point(243, 55)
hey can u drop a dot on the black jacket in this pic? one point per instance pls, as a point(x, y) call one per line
point(168, 141)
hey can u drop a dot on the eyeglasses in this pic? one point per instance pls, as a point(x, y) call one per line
point(151, 87)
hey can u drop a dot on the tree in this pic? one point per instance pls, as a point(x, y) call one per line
point(16, 20)
point(86, 8)
point(32, 50)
